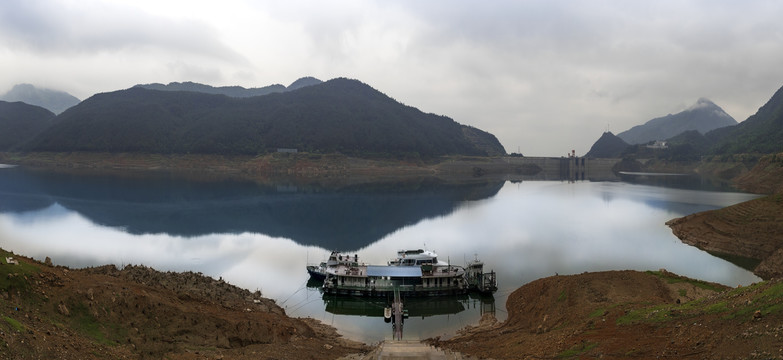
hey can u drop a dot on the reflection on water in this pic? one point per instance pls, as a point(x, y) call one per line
point(262, 237)
point(336, 218)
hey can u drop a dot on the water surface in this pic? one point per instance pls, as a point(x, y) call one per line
point(261, 236)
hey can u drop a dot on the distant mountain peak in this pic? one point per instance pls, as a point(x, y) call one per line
point(607, 146)
point(302, 82)
point(703, 116)
point(53, 100)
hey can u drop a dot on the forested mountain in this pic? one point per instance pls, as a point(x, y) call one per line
point(607, 146)
point(339, 115)
point(702, 117)
point(19, 122)
point(760, 133)
point(232, 91)
point(53, 100)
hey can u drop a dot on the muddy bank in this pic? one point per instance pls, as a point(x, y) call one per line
point(629, 314)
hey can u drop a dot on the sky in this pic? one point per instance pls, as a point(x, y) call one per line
point(545, 77)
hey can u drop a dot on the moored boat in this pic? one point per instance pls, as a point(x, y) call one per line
point(319, 272)
point(413, 272)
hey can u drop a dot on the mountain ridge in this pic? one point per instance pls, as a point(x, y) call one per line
point(232, 91)
point(20, 122)
point(702, 116)
point(340, 115)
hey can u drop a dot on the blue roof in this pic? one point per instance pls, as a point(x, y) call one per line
point(394, 271)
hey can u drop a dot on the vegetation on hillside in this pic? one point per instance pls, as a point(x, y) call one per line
point(760, 134)
point(340, 115)
point(19, 122)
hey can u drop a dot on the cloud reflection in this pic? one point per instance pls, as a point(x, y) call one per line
point(528, 231)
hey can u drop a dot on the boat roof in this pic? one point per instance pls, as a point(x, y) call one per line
point(393, 271)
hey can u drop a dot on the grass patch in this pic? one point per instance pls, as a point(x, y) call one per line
point(596, 313)
point(652, 314)
point(562, 297)
point(674, 279)
point(15, 277)
point(770, 301)
point(577, 350)
point(83, 321)
point(716, 308)
point(682, 292)
point(15, 324)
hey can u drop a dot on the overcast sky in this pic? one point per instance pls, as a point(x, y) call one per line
point(544, 76)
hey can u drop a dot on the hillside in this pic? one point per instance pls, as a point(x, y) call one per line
point(339, 115)
point(232, 91)
point(19, 122)
point(762, 132)
point(53, 100)
point(748, 231)
point(607, 146)
point(702, 117)
point(53, 312)
point(630, 315)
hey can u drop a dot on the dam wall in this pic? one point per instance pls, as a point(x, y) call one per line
point(568, 168)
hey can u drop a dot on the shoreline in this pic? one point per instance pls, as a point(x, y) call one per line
point(297, 167)
point(141, 312)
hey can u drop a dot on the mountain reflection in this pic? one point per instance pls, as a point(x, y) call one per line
point(344, 217)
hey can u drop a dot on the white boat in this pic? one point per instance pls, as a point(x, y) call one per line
point(413, 272)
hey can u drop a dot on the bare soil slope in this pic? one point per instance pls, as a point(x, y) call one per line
point(752, 229)
point(137, 312)
point(628, 314)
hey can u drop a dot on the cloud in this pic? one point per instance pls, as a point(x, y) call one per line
point(90, 27)
point(544, 76)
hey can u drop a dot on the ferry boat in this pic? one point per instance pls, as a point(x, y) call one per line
point(414, 272)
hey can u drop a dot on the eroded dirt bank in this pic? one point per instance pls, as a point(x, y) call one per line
point(136, 312)
point(752, 229)
point(629, 314)
point(297, 167)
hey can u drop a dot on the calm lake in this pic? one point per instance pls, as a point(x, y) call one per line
point(261, 236)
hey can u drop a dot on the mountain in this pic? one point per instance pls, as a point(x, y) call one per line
point(302, 82)
point(762, 132)
point(607, 146)
point(232, 91)
point(702, 117)
point(53, 100)
point(339, 115)
point(19, 122)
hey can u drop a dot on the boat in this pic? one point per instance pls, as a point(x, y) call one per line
point(318, 272)
point(478, 280)
point(414, 272)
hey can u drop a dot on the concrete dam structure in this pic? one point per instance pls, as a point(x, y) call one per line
point(571, 168)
